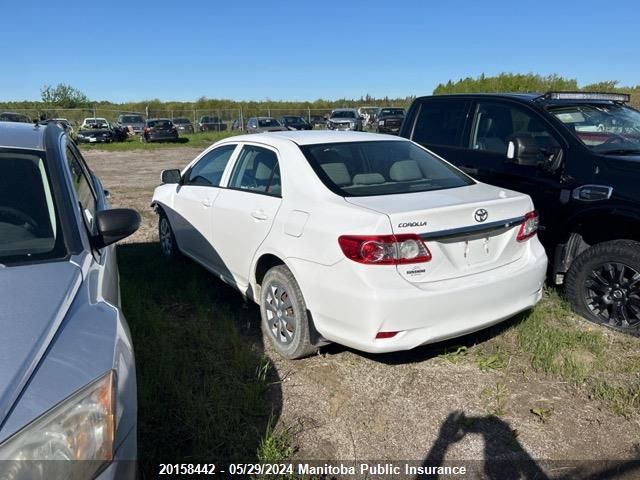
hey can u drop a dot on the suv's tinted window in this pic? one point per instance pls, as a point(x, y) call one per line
point(209, 169)
point(441, 122)
point(495, 124)
point(257, 170)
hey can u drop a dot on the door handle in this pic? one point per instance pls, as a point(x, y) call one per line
point(207, 202)
point(259, 215)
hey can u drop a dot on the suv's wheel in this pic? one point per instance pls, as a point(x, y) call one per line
point(603, 285)
point(284, 314)
point(168, 245)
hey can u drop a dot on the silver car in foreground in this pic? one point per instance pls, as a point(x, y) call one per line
point(67, 371)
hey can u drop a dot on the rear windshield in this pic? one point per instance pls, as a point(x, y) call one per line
point(268, 122)
point(391, 111)
point(132, 119)
point(357, 169)
point(160, 123)
point(29, 227)
point(344, 114)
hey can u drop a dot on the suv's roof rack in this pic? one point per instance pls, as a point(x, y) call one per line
point(613, 97)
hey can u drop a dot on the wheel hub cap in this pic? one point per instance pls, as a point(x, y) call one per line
point(280, 314)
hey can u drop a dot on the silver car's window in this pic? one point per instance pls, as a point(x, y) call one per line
point(257, 170)
point(209, 169)
point(381, 168)
point(29, 226)
point(82, 186)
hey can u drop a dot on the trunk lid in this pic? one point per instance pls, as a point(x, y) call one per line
point(468, 230)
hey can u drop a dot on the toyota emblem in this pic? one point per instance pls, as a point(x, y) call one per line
point(481, 215)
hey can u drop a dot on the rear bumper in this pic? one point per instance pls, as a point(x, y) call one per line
point(350, 308)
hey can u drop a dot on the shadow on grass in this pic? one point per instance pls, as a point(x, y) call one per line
point(206, 390)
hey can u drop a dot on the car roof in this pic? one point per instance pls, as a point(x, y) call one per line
point(22, 135)
point(312, 137)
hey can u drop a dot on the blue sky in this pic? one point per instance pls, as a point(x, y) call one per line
point(306, 49)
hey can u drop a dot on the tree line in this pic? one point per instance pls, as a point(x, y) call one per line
point(66, 96)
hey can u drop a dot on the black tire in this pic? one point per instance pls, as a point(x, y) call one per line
point(285, 321)
point(603, 285)
point(168, 245)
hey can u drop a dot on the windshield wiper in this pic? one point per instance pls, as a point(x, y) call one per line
point(621, 151)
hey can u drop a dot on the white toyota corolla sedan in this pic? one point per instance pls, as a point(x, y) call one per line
point(366, 240)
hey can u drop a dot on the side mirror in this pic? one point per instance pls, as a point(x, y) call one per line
point(114, 225)
point(170, 176)
point(524, 151)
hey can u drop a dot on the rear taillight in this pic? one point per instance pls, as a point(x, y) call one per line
point(385, 249)
point(529, 226)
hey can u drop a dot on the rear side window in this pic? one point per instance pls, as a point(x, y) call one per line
point(257, 170)
point(209, 169)
point(380, 168)
point(441, 122)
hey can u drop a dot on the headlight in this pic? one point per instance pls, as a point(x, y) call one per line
point(381, 123)
point(81, 427)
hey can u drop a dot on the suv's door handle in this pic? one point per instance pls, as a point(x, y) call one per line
point(207, 202)
point(259, 215)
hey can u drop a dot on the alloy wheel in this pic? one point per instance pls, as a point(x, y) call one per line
point(612, 294)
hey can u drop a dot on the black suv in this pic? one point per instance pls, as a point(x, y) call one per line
point(577, 155)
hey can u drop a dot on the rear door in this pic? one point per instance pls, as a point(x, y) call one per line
point(494, 124)
point(245, 210)
point(442, 125)
point(193, 205)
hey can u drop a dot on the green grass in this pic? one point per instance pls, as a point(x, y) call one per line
point(197, 140)
point(206, 390)
point(602, 363)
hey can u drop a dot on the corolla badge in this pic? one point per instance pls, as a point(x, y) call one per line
point(481, 215)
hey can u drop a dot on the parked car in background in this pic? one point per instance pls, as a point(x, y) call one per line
point(211, 124)
point(295, 122)
point(356, 238)
point(345, 119)
point(183, 125)
point(264, 124)
point(159, 130)
point(577, 155)
point(68, 405)
point(95, 122)
point(95, 130)
point(14, 117)
point(389, 120)
point(64, 124)
point(134, 122)
point(236, 124)
point(318, 121)
point(369, 115)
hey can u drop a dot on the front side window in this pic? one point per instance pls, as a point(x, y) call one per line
point(80, 178)
point(257, 170)
point(605, 128)
point(29, 226)
point(496, 124)
point(380, 168)
point(268, 122)
point(209, 169)
point(441, 122)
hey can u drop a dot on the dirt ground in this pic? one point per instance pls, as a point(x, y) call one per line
point(346, 405)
